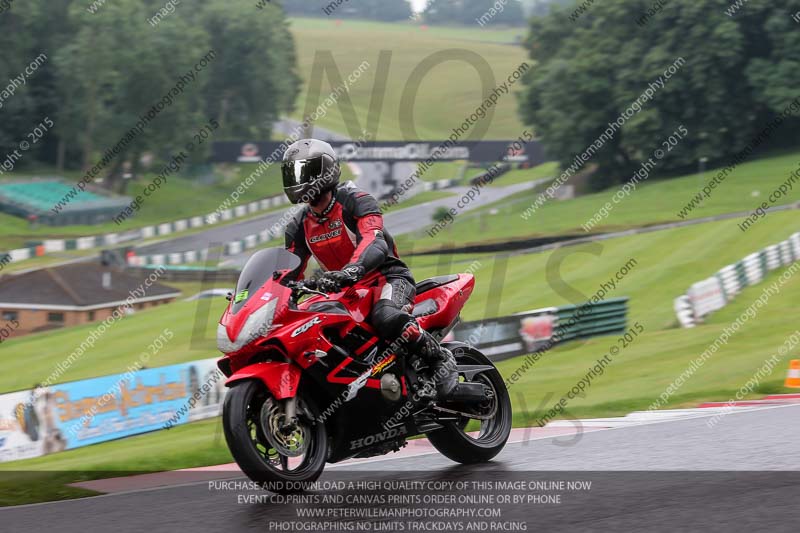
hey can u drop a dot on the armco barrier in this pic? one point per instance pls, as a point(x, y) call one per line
point(47, 420)
point(39, 249)
point(241, 245)
point(195, 256)
point(167, 228)
point(711, 294)
point(189, 273)
point(592, 319)
point(523, 333)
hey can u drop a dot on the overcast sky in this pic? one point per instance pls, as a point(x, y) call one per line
point(418, 5)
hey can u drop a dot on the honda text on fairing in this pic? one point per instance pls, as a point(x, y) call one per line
point(311, 382)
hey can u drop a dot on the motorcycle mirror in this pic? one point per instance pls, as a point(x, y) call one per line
point(229, 296)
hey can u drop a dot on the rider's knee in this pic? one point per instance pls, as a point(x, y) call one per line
point(388, 319)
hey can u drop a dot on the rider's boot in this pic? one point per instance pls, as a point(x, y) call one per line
point(441, 361)
point(445, 371)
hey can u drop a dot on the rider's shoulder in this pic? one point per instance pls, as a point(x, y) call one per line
point(355, 199)
point(297, 220)
point(349, 191)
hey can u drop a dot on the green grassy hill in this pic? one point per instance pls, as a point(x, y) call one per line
point(668, 262)
point(448, 94)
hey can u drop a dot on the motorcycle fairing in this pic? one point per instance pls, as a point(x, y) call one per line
point(282, 379)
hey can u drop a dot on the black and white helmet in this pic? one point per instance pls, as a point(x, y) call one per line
point(310, 168)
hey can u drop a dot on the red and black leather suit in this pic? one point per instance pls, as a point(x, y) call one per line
point(348, 232)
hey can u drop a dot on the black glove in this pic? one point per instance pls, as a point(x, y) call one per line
point(335, 280)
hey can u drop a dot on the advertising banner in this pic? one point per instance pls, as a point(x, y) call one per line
point(20, 436)
point(476, 151)
point(80, 413)
point(501, 338)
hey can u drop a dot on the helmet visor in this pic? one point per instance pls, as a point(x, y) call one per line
point(301, 172)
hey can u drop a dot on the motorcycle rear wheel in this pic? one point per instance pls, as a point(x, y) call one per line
point(453, 441)
point(254, 452)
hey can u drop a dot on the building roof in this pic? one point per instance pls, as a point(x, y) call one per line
point(77, 286)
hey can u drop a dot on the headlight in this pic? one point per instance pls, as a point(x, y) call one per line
point(257, 325)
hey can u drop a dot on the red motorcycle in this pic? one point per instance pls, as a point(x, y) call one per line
point(311, 382)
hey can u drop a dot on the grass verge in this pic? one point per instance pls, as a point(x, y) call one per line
point(653, 202)
point(46, 478)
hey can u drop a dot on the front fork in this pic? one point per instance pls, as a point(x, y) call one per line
point(290, 414)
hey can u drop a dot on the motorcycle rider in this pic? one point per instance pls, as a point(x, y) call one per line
point(342, 227)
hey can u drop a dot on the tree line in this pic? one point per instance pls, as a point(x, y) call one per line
point(162, 70)
point(739, 74)
point(383, 10)
point(464, 12)
point(471, 12)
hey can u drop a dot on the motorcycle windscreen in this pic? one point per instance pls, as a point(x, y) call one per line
point(258, 270)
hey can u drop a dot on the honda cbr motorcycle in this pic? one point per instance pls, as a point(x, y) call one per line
point(311, 382)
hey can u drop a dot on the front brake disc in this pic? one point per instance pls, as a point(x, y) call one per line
point(289, 443)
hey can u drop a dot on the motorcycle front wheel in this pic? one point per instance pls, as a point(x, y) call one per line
point(282, 461)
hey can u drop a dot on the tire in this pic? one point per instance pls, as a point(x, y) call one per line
point(452, 441)
point(244, 433)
